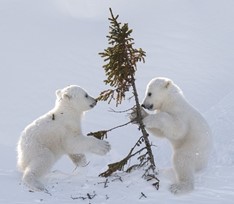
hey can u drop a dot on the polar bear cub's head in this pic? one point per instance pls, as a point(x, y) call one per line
point(74, 97)
point(157, 92)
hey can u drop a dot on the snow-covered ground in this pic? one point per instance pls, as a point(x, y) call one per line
point(48, 44)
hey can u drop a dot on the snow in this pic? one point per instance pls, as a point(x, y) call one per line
point(48, 44)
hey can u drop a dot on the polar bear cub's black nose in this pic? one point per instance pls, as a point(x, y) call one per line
point(147, 106)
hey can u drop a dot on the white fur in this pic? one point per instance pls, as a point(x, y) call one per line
point(56, 133)
point(175, 119)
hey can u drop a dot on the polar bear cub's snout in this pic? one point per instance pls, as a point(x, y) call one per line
point(94, 103)
point(147, 106)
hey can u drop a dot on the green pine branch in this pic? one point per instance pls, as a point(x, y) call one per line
point(120, 66)
point(121, 60)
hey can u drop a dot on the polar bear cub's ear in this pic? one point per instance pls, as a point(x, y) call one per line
point(66, 95)
point(60, 94)
point(168, 83)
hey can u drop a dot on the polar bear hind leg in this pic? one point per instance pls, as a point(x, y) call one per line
point(184, 169)
point(38, 167)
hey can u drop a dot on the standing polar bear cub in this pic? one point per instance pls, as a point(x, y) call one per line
point(56, 133)
point(185, 128)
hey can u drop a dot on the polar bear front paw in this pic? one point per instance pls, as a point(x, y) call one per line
point(100, 147)
point(148, 121)
point(133, 115)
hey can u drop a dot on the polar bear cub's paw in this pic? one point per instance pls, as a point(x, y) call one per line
point(78, 159)
point(133, 115)
point(181, 188)
point(32, 181)
point(100, 147)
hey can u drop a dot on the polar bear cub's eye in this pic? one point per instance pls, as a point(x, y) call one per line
point(86, 95)
point(149, 94)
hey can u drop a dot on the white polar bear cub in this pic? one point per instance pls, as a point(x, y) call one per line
point(56, 133)
point(185, 128)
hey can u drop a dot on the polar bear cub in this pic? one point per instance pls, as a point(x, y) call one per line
point(188, 132)
point(56, 133)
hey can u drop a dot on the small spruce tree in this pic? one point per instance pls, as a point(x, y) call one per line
point(121, 65)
